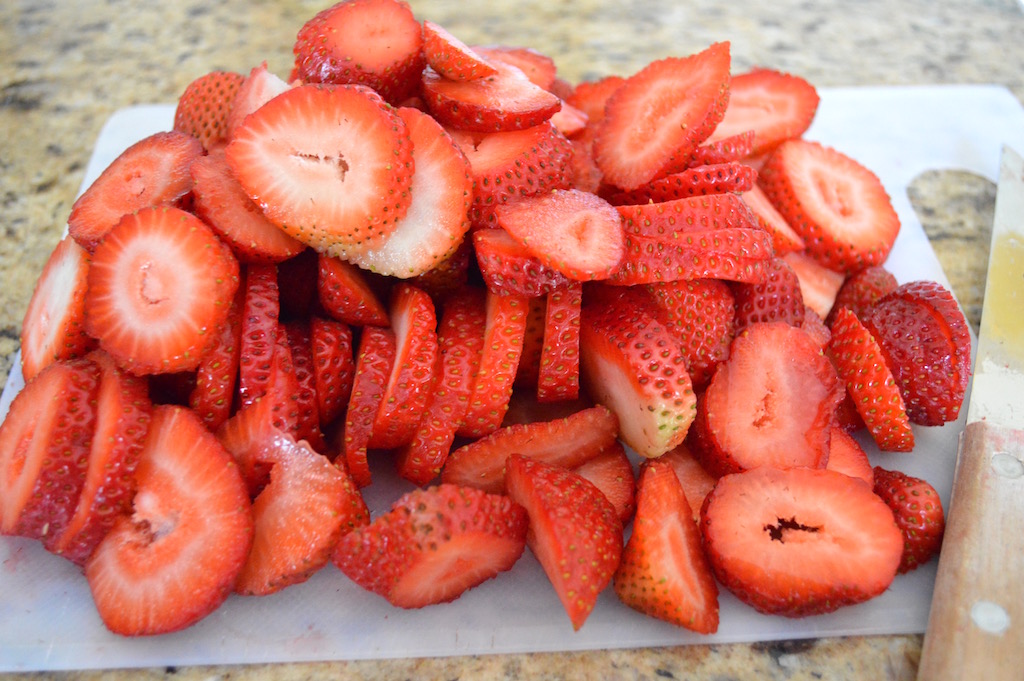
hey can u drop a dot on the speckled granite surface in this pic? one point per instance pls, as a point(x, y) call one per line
point(66, 65)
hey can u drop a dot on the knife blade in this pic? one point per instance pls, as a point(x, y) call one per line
point(976, 622)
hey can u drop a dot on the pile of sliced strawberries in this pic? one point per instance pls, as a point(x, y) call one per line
point(447, 259)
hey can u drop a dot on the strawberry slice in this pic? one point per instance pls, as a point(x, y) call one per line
point(734, 254)
point(205, 105)
point(918, 511)
point(153, 171)
point(261, 311)
point(611, 471)
point(838, 206)
point(819, 285)
point(299, 337)
point(528, 371)
point(783, 236)
point(242, 436)
point(222, 204)
point(503, 101)
point(507, 266)
point(438, 215)
point(298, 517)
point(633, 365)
point(655, 120)
point(377, 43)
point(333, 366)
point(799, 541)
point(175, 558)
point(777, 299)
point(452, 58)
point(569, 121)
point(698, 180)
point(574, 532)
point(122, 422)
point(845, 455)
point(861, 289)
point(346, 295)
point(449, 275)
point(590, 97)
point(44, 447)
point(53, 327)
point(434, 545)
point(861, 364)
point(815, 327)
point(297, 285)
point(331, 166)
point(769, 404)
point(258, 88)
point(212, 398)
point(697, 483)
point(716, 150)
point(668, 220)
point(374, 360)
point(664, 572)
point(566, 442)
point(558, 376)
point(160, 283)
point(573, 232)
point(776, 106)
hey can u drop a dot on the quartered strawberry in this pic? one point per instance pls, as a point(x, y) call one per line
point(567, 442)
point(861, 289)
point(819, 285)
point(733, 254)
point(769, 404)
point(205, 105)
point(212, 399)
point(222, 204)
point(412, 376)
point(575, 532)
point(160, 285)
point(377, 43)
point(573, 232)
point(122, 422)
point(346, 295)
point(664, 572)
point(258, 88)
point(507, 266)
point(861, 365)
point(845, 455)
point(53, 327)
point(784, 238)
point(918, 511)
point(333, 366)
point(538, 67)
point(799, 541)
point(503, 101)
point(452, 58)
point(153, 171)
point(261, 313)
point(434, 545)
point(634, 365)
point(611, 471)
point(330, 165)
point(175, 557)
point(927, 345)
point(298, 517)
point(658, 116)
point(777, 299)
point(776, 106)
point(838, 206)
point(671, 220)
point(44, 448)
point(438, 216)
point(697, 483)
point(558, 375)
point(699, 180)
point(374, 359)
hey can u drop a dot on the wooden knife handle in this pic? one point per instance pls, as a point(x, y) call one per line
point(976, 622)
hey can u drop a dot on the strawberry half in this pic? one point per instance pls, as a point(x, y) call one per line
point(53, 326)
point(918, 511)
point(160, 285)
point(331, 166)
point(450, 57)
point(664, 572)
point(205, 105)
point(175, 558)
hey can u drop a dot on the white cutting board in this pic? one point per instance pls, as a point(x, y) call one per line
point(48, 622)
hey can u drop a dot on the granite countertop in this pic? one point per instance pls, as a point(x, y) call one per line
point(66, 65)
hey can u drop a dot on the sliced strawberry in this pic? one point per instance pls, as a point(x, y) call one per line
point(655, 120)
point(374, 359)
point(538, 67)
point(633, 365)
point(861, 364)
point(212, 398)
point(769, 404)
point(591, 96)
point(697, 483)
point(723, 149)
point(815, 327)
point(734, 254)
point(438, 215)
point(559, 371)
point(664, 572)
point(575, 532)
point(175, 558)
point(346, 294)
point(508, 266)
point(670, 220)
point(153, 171)
point(528, 371)
point(449, 275)
point(222, 204)
point(332, 166)
point(377, 43)
point(283, 389)
point(799, 541)
point(783, 236)
point(297, 285)
point(819, 285)
point(298, 518)
point(160, 284)
point(205, 105)
point(918, 511)
point(261, 311)
point(434, 545)
point(566, 442)
point(569, 120)
point(53, 326)
point(700, 180)
point(845, 455)
point(333, 366)
point(258, 88)
point(122, 421)
point(452, 58)
point(838, 206)
point(411, 380)
point(503, 101)
point(611, 471)
point(44, 447)
point(576, 233)
point(307, 424)
point(777, 299)
point(861, 289)
point(584, 173)
point(927, 345)
point(776, 106)
point(242, 436)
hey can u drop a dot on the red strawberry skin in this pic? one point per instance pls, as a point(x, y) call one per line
point(918, 511)
point(205, 105)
